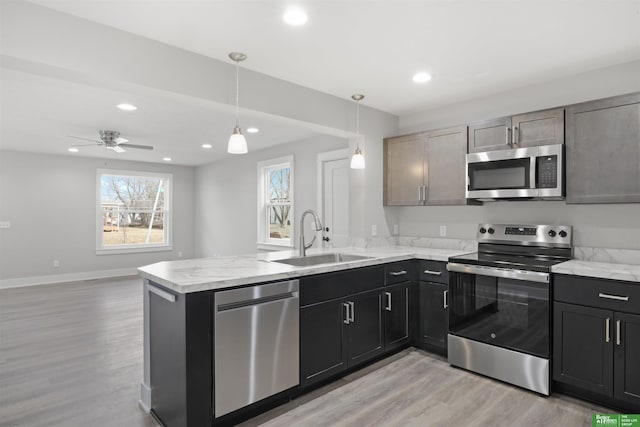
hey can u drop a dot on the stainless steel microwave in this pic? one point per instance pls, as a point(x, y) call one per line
point(521, 173)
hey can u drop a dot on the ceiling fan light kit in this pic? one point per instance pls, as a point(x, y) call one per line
point(237, 141)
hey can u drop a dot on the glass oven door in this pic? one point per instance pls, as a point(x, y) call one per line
point(503, 311)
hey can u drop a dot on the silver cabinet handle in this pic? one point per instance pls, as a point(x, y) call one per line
point(162, 294)
point(353, 312)
point(607, 337)
point(425, 193)
point(388, 307)
point(617, 332)
point(420, 193)
point(398, 273)
point(434, 273)
point(516, 136)
point(445, 295)
point(346, 318)
point(615, 297)
point(508, 130)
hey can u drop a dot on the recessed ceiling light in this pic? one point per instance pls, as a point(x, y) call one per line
point(73, 150)
point(295, 16)
point(421, 77)
point(127, 107)
point(253, 130)
point(166, 159)
point(207, 145)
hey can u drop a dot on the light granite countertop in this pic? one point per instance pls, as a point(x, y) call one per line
point(603, 270)
point(193, 275)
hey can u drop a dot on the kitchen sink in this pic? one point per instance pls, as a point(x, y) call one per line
point(310, 260)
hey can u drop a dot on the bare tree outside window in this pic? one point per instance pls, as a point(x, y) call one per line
point(133, 209)
point(279, 204)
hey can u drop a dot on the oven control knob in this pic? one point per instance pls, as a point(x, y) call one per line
point(552, 233)
point(563, 233)
point(483, 230)
point(491, 230)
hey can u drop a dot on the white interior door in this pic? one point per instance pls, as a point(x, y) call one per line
point(335, 202)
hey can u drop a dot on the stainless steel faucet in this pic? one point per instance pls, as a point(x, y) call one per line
point(318, 224)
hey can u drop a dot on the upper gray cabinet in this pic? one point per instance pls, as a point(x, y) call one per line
point(524, 130)
point(426, 168)
point(603, 151)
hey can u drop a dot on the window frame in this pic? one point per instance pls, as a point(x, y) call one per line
point(264, 241)
point(168, 214)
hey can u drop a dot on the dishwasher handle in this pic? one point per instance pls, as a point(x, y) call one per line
point(257, 301)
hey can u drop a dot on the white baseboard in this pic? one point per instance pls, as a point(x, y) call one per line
point(68, 277)
point(145, 398)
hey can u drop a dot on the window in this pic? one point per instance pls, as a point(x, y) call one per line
point(133, 212)
point(275, 203)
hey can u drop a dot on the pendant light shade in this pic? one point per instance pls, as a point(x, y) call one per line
point(237, 141)
point(357, 160)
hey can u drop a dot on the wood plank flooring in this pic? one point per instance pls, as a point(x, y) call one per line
point(71, 355)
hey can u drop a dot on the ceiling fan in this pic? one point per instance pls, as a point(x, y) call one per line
point(111, 139)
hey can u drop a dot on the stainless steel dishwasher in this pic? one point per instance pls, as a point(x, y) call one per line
point(256, 344)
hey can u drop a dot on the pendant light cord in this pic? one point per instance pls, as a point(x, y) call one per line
point(358, 125)
point(237, 90)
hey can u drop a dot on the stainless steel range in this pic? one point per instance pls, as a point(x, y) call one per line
point(500, 302)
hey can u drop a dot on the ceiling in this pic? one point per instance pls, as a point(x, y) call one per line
point(472, 48)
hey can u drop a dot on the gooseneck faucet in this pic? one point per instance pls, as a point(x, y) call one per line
point(318, 225)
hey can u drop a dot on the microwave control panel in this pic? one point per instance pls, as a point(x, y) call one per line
point(547, 171)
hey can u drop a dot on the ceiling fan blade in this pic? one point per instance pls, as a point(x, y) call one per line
point(84, 139)
point(117, 149)
point(142, 147)
point(86, 145)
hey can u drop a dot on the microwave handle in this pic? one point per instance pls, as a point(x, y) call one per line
point(532, 172)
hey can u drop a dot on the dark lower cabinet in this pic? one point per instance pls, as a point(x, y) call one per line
point(596, 340)
point(340, 334)
point(323, 349)
point(434, 320)
point(627, 358)
point(396, 315)
point(583, 347)
point(364, 330)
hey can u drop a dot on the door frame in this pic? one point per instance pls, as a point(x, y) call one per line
point(322, 159)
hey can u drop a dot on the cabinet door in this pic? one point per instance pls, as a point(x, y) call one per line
point(583, 347)
point(322, 344)
point(538, 128)
point(603, 151)
point(490, 135)
point(364, 332)
point(434, 322)
point(627, 358)
point(396, 315)
point(403, 170)
point(445, 166)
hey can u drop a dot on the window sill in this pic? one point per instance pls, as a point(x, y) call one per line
point(274, 246)
point(131, 250)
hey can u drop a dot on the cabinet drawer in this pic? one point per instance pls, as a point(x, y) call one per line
point(434, 271)
point(601, 293)
point(398, 272)
point(328, 286)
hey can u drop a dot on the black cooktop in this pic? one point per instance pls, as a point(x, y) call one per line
point(517, 262)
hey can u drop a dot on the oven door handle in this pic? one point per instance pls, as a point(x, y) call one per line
point(507, 273)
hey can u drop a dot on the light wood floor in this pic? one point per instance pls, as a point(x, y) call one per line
point(71, 355)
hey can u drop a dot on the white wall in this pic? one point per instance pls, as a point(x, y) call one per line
point(51, 203)
point(612, 226)
point(227, 195)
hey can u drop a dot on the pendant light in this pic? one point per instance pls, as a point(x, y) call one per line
point(237, 141)
point(357, 160)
